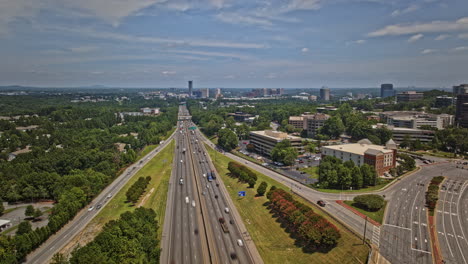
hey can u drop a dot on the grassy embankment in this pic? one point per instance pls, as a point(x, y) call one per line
point(376, 216)
point(159, 169)
point(377, 187)
point(273, 242)
point(148, 148)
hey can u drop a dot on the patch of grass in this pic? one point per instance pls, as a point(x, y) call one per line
point(273, 242)
point(159, 169)
point(9, 210)
point(368, 189)
point(237, 153)
point(312, 171)
point(214, 139)
point(145, 151)
point(376, 216)
point(9, 230)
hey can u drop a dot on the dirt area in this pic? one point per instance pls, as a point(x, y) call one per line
point(143, 201)
point(82, 238)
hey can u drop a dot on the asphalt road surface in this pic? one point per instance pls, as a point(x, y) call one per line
point(192, 230)
point(46, 251)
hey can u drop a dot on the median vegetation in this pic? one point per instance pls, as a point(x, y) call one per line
point(314, 231)
point(137, 189)
point(432, 194)
point(243, 173)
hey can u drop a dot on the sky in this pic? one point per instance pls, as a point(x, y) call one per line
point(234, 43)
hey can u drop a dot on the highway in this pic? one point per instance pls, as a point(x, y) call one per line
point(46, 251)
point(192, 231)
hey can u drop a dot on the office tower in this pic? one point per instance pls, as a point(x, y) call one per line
point(460, 89)
point(325, 94)
point(461, 114)
point(190, 87)
point(205, 93)
point(386, 90)
point(218, 93)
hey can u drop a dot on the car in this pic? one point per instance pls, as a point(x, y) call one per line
point(91, 208)
point(187, 200)
point(193, 203)
point(240, 243)
point(321, 203)
point(181, 181)
point(204, 175)
point(226, 210)
point(181, 161)
point(109, 195)
point(99, 206)
point(301, 161)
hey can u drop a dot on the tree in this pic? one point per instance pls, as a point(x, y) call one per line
point(357, 178)
point(251, 182)
point(59, 259)
point(262, 188)
point(24, 228)
point(284, 152)
point(29, 211)
point(370, 202)
point(384, 134)
point(37, 213)
point(333, 127)
point(2, 208)
point(227, 139)
point(369, 175)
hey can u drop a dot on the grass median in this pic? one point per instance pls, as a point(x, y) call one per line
point(274, 244)
point(376, 216)
point(159, 169)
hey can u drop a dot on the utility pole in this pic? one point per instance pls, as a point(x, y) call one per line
point(365, 229)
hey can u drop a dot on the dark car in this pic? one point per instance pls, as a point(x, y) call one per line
point(321, 203)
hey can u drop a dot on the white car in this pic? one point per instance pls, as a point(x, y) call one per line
point(181, 161)
point(193, 203)
point(204, 175)
point(109, 195)
point(226, 210)
point(240, 243)
point(90, 208)
point(187, 200)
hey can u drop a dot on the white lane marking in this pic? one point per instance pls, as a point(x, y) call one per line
point(423, 251)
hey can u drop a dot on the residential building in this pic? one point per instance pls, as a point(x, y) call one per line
point(461, 114)
point(413, 134)
point(409, 96)
point(444, 101)
point(325, 94)
point(264, 141)
point(386, 90)
point(382, 158)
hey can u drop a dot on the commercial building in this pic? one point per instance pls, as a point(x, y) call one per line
point(409, 96)
point(460, 89)
point(266, 92)
point(309, 122)
point(190, 88)
point(325, 94)
point(149, 111)
point(240, 116)
point(265, 141)
point(386, 90)
point(218, 93)
point(444, 101)
point(413, 134)
point(205, 93)
point(414, 119)
point(461, 114)
point(382, 158)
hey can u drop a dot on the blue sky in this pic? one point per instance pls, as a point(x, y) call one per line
point(241, 43)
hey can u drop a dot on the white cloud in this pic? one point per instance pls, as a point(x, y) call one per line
point(442, 37)
point(462, 48)
point(359, 41)
point(12, 10)
point(83, 49)
point(305, 50)
point(409, 9)
point(166, 73)
point(415, 38)
point(463, 36)
point(235, 18)
point(428, 51)
point(211, 54)
point(431, 27)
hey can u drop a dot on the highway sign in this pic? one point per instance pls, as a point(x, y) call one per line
point(241, 194)
point(192, 128)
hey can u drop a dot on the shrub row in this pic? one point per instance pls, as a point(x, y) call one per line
point(243, 173)
point(432, 194)
point(137, 189)
point(313, 229)
point(370, 202)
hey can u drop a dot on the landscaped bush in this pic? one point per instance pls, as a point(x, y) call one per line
point(432, 194)
point(243, 173)
point(313, 229)
point(369, 202)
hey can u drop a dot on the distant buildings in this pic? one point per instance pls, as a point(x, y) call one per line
point(461, 114)
point(325, 94)
point(218, 93)
point(309, 122)
point(205, 93)
point(266, 92)
point(386, 90)
point(240, 116)
point(382, 158)
point(460, 89)
point(409, 96)
point(190, 88)
point(413, 119)
point(265, 141)
point(150, 111)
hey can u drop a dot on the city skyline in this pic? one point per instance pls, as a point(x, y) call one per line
point(217, 43)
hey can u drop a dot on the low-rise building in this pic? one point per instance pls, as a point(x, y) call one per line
point(413, 134)
point(309, 122)
point(414, 119)
point(150, 111)
point(264, 141)
point(409, 96)
point(382, 158)
point(444, 101)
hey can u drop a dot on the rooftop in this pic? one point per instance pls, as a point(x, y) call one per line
point(296, 118)
point(359, 149)
point(275, 135)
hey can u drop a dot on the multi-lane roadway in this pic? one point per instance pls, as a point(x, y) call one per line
point(193, 232)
